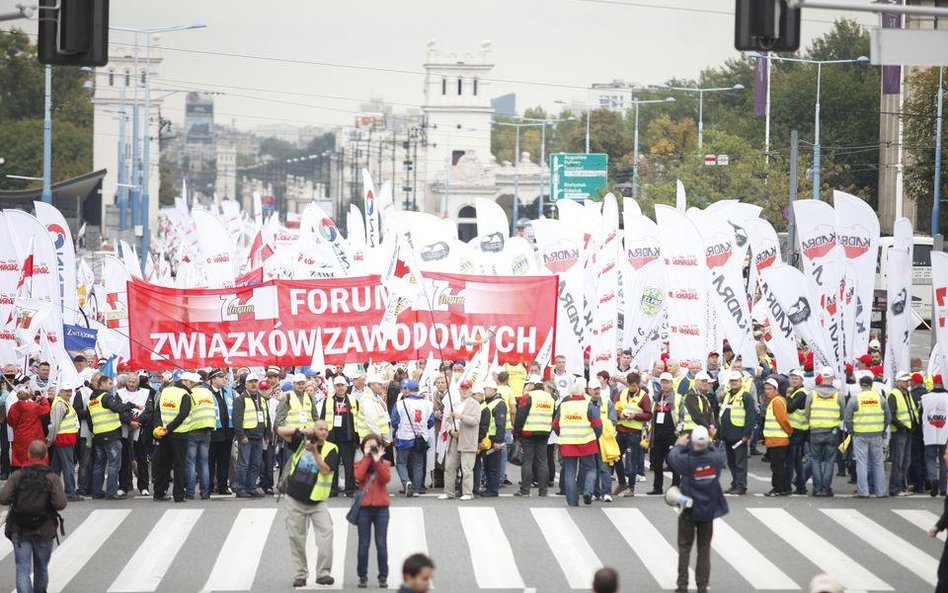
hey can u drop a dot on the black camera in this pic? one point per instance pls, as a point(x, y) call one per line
point(374, 449)
point(312, 438)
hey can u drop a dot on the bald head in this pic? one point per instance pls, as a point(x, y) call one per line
point(37, 450)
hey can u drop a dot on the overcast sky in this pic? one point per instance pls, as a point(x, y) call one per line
point(555, 48)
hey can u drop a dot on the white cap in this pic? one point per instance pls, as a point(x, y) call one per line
point(490, 384)
point(797, 373)
point(190, 376)
point(358, 375)
point(703, 376)
point(596, 383)
point(22, 388)
point(296, 377)
point(773, 383)
point(824, 583)
point(826, 372)
point(903, 376)
point(87, 373)
point(699, 434)
point(735, 376)
point(340, 380)
point(251, 377)
point(71, 384)
point(874, 344)
point(534, 379)
point(666, 377)
point(274, 369)
point(375, 378)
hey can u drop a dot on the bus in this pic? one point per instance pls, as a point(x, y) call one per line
point(921, 273)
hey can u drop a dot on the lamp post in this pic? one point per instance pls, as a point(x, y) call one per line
point(700, 92)
point(816, 115)
point(141, 176)
point(635, 144)
point(936, 194)
point(516, 201)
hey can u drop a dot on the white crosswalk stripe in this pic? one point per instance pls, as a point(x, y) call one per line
point(239, 557)
point(658, 556)
point(893, 546)
point(920, 518)
point(820, 552)
point(143, 573)
point(81, 545)
point(571, 550)
point(340, 539)
point(409, 524)
point(756, 569)
point(495, 567)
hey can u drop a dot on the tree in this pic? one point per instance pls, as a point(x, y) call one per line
point(920, 116)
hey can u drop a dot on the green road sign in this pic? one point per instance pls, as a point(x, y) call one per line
point(577, 176)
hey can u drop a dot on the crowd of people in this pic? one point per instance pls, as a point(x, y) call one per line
point(215, 431)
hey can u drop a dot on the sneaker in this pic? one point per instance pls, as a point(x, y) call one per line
point(654, 493)
point(619, 489)
point(522, 494)
point(145, 492)
point(383, 583)
point(445, 497)
point(467, 497)
point(730, 490)
point(640, 478)
point(630, 493)
point(117, 496)
point(323, 580)
point(597, 498)
point(607, 498)
point(904, 493)
point(120, 493)
point(587, 498)
point(243, 495)
point(299, 583)
point(409, 490)
point(363, 583)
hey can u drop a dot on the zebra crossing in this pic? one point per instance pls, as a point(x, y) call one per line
point(496, 548)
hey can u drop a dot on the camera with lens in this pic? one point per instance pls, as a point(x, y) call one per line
point(312, 438)
point(374, 449)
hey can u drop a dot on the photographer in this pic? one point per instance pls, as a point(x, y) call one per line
point(307, 490)
point(373, 474)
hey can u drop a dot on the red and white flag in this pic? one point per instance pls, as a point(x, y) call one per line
point(24, 286)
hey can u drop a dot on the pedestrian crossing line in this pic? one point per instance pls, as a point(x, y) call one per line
point(918, 517)
point(911, 558)
point(819, 551)
point(81, 545)
point(495, 567)
point(143, 573)
point(239, 557)
point(340, 540)
point(658, 556)
point(408, 523)
point(756, 569)
point(570, 548)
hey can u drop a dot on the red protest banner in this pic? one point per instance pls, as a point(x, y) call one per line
point(277, 322)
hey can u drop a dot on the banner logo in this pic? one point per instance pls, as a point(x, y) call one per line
point(327, 230)
point(640, 256)
point(370, 202)
point(561, 257)
point(492, 243)
point(58, 235)
point(799, 312)
point(740, 235)
point(651, 302)
point(820, 245)
point(718, 254)
point(765, 258)
point(435, 252)
point(854, 244)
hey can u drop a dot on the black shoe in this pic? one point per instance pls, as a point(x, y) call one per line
point(189, 497)
point(326, 580)
point(587, 499)
point(541, 493)
point(299, 582)
point(205, 497)
point(654, 493)
point(163, 497)
point(741, 491)
point(268, 491)
point(257, 494)
point(244, 495)
point(383, 583)
point(934, 489)
point(507, 482)
point(486, 494)
point(523, 494)
point(799, 492)
point(226, 492)
point(116, 497)
point(560, 493)
point(363, 583)
point(731, 490)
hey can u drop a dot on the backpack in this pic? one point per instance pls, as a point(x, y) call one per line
point(31, 501)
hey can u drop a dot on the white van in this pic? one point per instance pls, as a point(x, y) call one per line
point(921, 273)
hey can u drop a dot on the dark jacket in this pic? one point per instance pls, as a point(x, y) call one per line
point(699, 411)
point(183, 411)
point(500, 419)
point(57, 501)
point(112, 402)
point(259, 431)
point(700, 479)
point(520, 419)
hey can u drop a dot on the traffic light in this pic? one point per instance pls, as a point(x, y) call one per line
point(74, 32)
point(766, 25)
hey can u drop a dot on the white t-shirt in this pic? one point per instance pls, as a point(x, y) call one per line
point(136, 398)
point(413, 415)
point(563, 383)
point(935, 418)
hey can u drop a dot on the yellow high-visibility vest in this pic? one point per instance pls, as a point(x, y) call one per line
point(169, 402)
point(574, 423)
point(903, 401)
point(492, 405)
point(735, 403)
point(540, 416)
point(635, 403)
point(329, 407)
point(299, 414)
point(797, 418)
point(70, 421)
point(103, 419)
point(323, 485)
point(869, 416)
point(202, 409)
point(825, 412)
point(772, 428)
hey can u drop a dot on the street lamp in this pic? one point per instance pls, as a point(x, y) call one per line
point(635, 145)
point(701, 92)
point(143, 180)
point(588, 112)
point(816, 116)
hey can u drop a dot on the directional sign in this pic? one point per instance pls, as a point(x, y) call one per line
point(577, 176)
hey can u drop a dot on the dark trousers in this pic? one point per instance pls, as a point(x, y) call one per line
point(916, 470)
point(373, 519)
point(171, 457)
point(942, 586)
point(218, 463)
point(347, 460)
point(534, 466)
point(4, 452)
point(687, 529)
point(737, 464)
point(86, 460)
point(125, 471)
point(778, 468)
point(661, 445)
point(492, 475)
point(550, 464)
point(794, 463)
point(141, 451)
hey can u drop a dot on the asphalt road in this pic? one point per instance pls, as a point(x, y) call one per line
point(507, 544)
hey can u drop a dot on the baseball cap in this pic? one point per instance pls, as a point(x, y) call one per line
point(772, 382)
point(703, 376)
point(903, 376)
point(411, 386)
point(797, 373)
point(937, 379)
point(264, 385)
point(190, 376)
point(666, 377)
point(340, 380)
point(735, 376)
point(917, 378)
point(274, 370)
point(534, 379)
point(466, 385)
point(865, 359)
point(699, 434)
point(594, 383)
point(296, 377)
point(874, 345)
point(251, 376)
point(374, 378)
point(216, 373)
point(826, 372)
point(713, 353)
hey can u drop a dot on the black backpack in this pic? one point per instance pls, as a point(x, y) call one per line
point(31, 501)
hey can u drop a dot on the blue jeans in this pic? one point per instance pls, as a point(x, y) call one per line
point(370, 517)
point(410, 466)
point(199, 444)
point(492, 475)
point(248, 465)
point(900, 452)
point(634, 458)
point(935, 465)
point(62, 463)
point(84, 482)
point(603, 480)
point(106, 454)
point(508, 441)
point(867, 451)
point(822, 458)
point(794, 464)
point(31, 554)
point(578, 472)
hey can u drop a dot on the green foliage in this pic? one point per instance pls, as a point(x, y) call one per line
point(921, 109)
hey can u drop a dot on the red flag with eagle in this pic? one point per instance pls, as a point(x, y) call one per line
point(403, 282)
